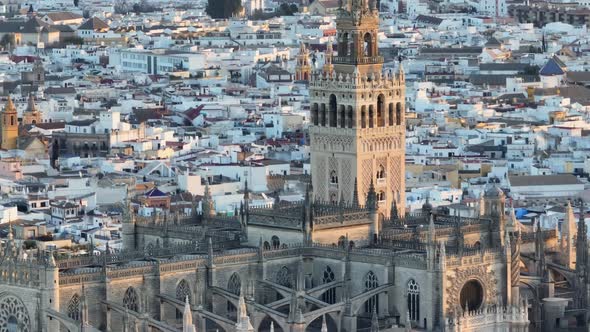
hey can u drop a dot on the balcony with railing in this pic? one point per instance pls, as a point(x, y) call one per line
point(362, 60)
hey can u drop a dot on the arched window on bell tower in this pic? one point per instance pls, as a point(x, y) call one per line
point(333, 177)
point(368, 45)
point(381, 172)
point(343, 45)
point(381, 111)
point(391, 114)
point(398, 114)
point(332, 110)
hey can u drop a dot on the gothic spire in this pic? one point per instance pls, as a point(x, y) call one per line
point(324, 326)
point(9, 107)
point(31, 107)
point(246, 193)
point(374, 320)
point(371, 203)
point(187, 318)
point(393, 212)
point(540, 250)
point(581, 243)
point(243, 324)
point(207, 202)
point(355, 194)
point(568, 234)
point(84, 308)
point(431, 231)
point(277, 201)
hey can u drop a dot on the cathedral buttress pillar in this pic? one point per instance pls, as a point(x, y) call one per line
point(508, 257)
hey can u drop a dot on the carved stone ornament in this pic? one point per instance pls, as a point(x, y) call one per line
point(486, 277)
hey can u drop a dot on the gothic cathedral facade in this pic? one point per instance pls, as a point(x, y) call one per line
point(357, 112)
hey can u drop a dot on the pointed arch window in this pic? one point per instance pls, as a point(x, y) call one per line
point(131, 299)
point(74, 307)
point(368, 45)
point(183, 291)
point(414, 300)
point(371, 282)
point(330, 295)
point(283, 277)
point(276, 242)
point(234, 286)
point(333, 177)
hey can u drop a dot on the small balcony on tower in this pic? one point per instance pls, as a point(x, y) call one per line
point(362, 60)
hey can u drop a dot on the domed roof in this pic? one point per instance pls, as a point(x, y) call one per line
point(494, 192)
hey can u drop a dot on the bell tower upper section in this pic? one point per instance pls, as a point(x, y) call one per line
point(358, 27)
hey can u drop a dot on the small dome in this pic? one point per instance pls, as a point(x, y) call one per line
point(494, 192)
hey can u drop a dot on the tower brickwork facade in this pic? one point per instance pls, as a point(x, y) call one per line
point(357, 113)
point(9, 126)
point(303, 69)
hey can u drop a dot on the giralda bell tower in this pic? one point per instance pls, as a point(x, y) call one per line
point(357, 113)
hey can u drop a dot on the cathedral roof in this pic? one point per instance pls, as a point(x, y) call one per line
point(155, 192)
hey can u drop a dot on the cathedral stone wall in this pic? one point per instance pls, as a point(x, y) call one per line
point(94, 292)
point(425, 281)
point(355, 233)
point(27, 303)
point(285, 235)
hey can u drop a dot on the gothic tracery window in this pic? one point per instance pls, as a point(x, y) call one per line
point(13, 315)
point(283, 277)
point(74, 307)
point(414, 300)
point(183, 290)
point(234, 284)
point(381, 196)
point(131, 300)
point(371, 282)
point(330, 295)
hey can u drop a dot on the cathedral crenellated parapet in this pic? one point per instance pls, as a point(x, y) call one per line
point(384, 80)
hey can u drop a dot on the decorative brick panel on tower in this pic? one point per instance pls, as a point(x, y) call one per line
point(357, 114)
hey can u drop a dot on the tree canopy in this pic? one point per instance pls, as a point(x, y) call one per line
point(223, 8)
